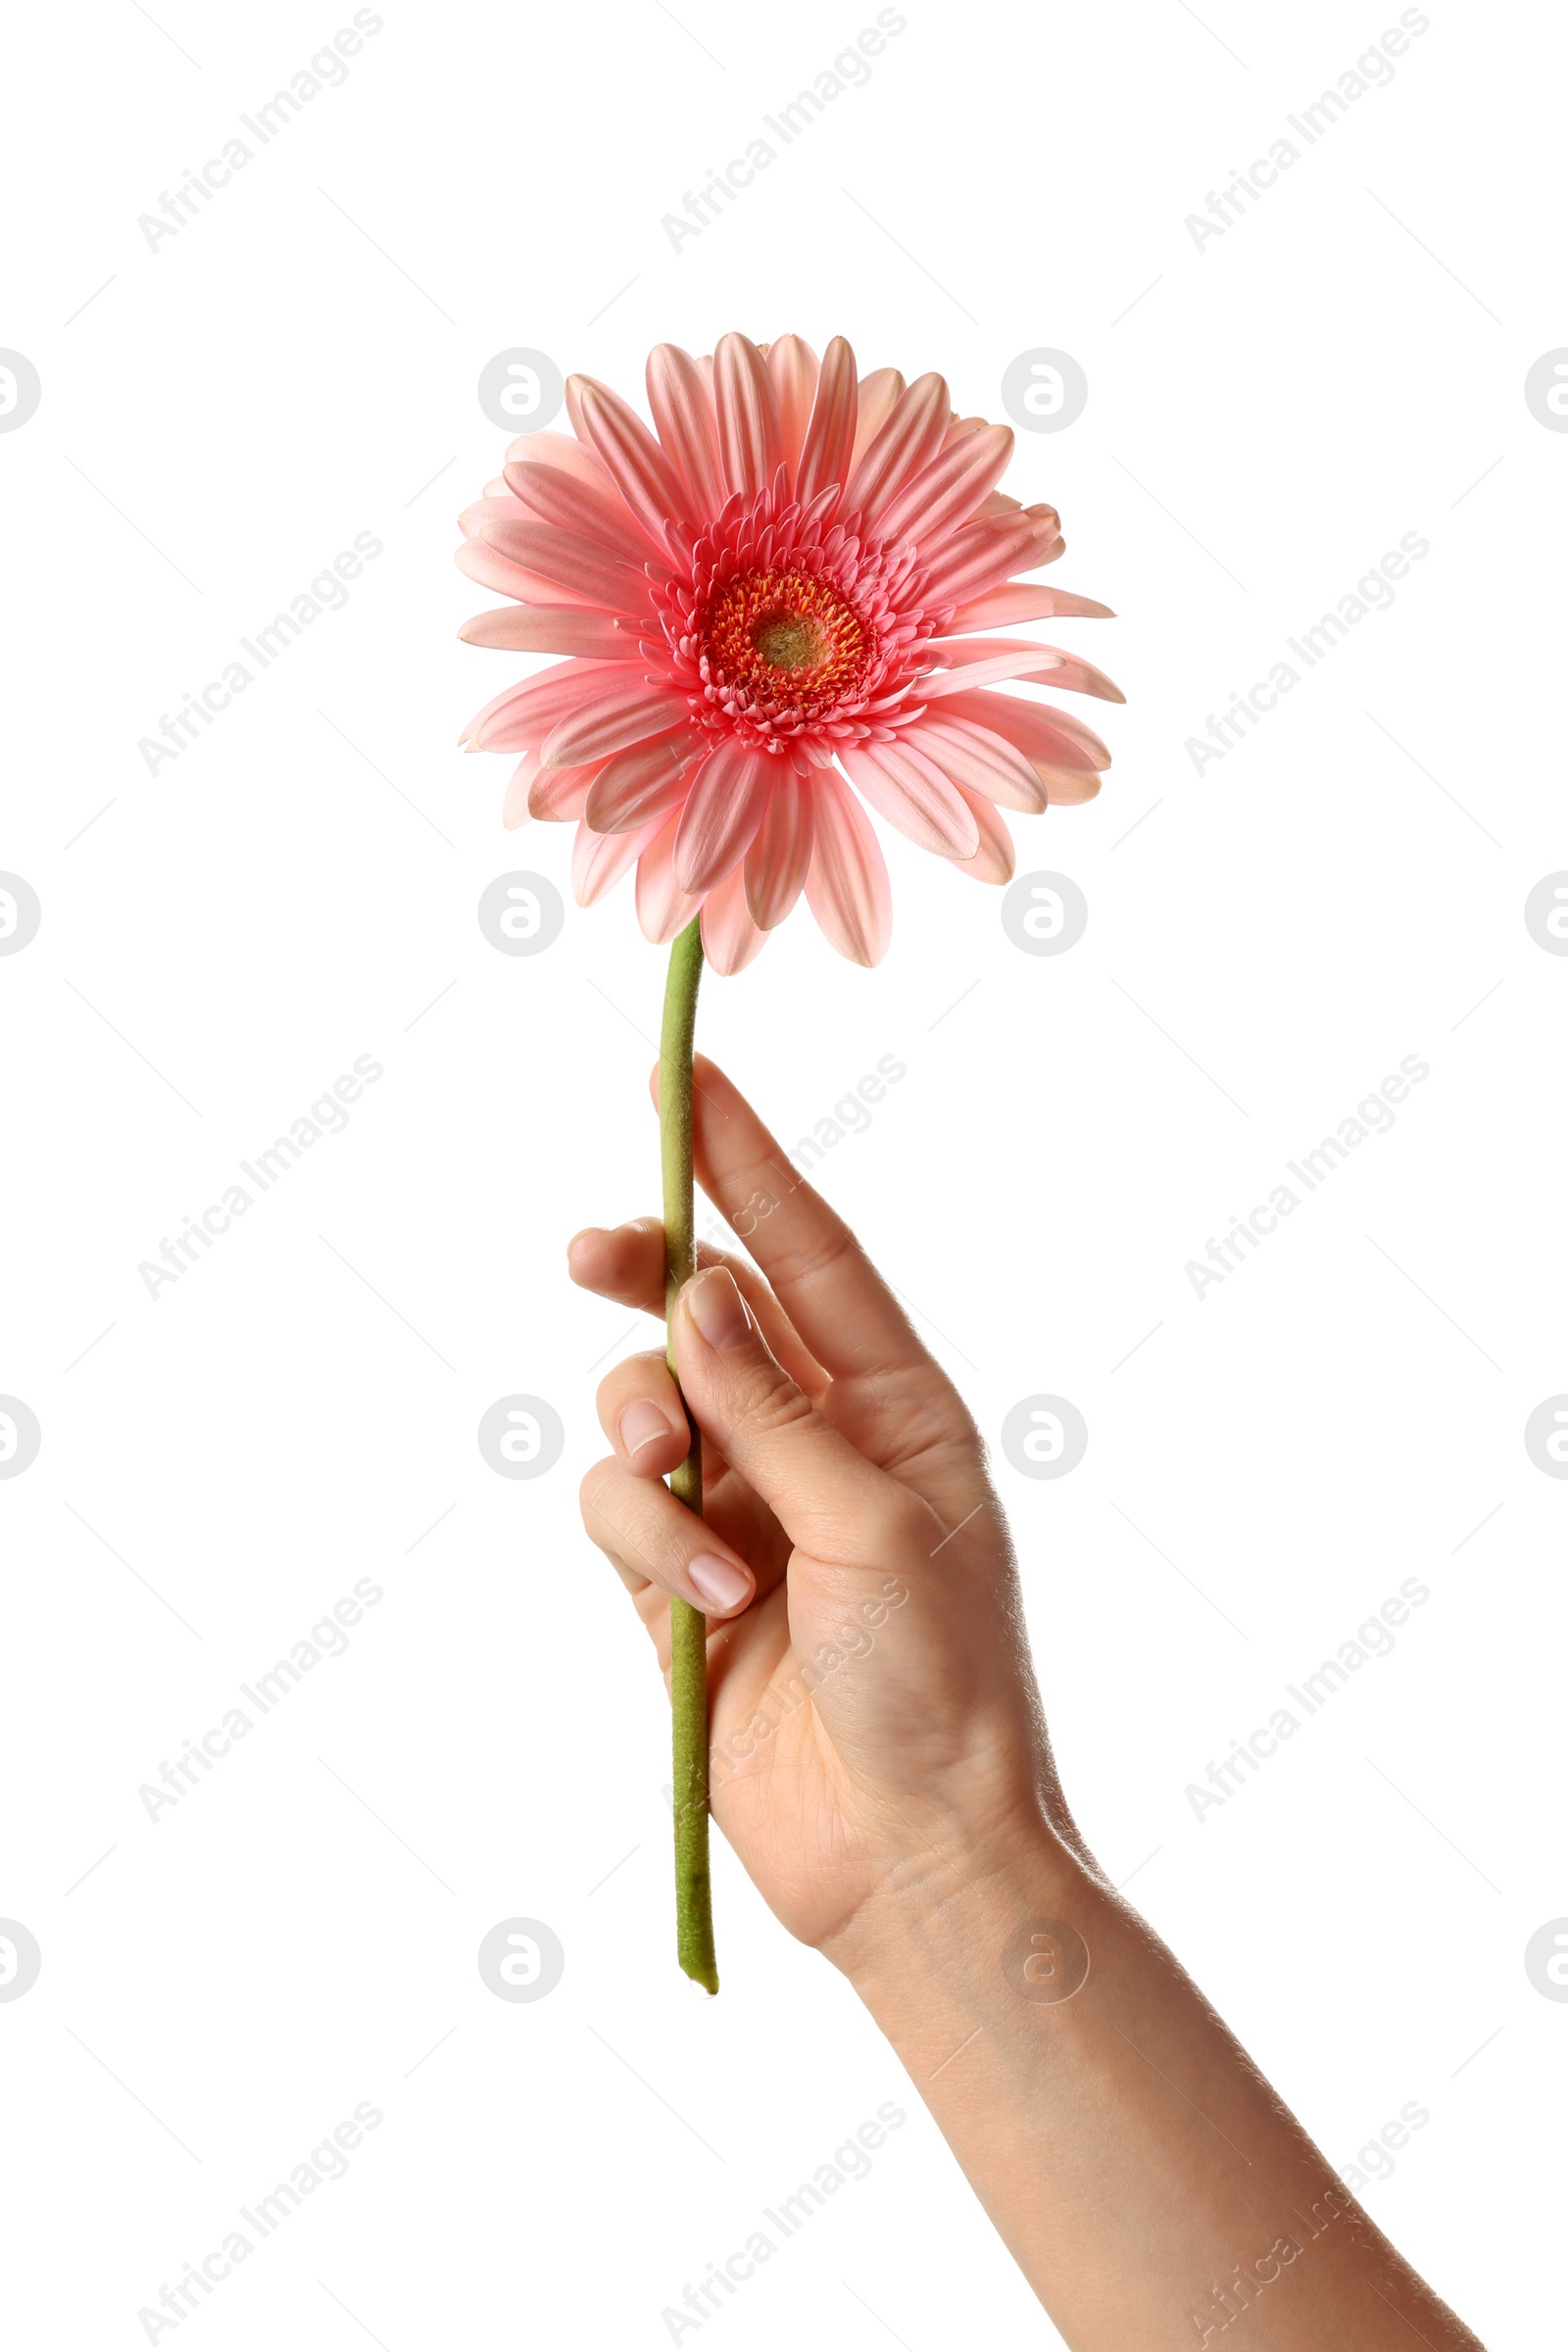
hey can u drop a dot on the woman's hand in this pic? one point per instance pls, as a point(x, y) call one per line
point(874, 1718)
point(880, 1765)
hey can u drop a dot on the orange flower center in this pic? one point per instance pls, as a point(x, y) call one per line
point(785, 639)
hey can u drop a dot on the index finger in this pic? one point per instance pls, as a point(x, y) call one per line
point(820, 1275)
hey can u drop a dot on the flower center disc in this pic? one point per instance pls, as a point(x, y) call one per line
point(787, 641)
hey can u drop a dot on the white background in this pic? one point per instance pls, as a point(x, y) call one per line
point(1267, 415)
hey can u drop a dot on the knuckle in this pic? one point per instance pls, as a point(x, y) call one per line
point(593, 1493)
point(769, 1402)
point(620, 1389)
point(874, 1529)
point(824, 1246)
point(645, 1368)
point(630, 1521)
point(901, 1524)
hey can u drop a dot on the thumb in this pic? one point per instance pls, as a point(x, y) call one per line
point(828, 1498)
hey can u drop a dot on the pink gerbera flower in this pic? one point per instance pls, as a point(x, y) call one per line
point(781, 596)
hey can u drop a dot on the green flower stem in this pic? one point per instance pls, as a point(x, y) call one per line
point(688, 1627)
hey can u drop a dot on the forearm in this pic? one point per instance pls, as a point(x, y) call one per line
point(1149, 2184)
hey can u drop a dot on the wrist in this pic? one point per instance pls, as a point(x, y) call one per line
point(972, 1921)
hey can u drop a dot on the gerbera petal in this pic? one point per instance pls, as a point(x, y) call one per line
point(1087, 746)
point(522, 716)
point(977, 760)
point(487, 570)
point(1039, 729)
point(1005, 607)
point(1077, 676)
point(514, 808)
point(613, 724)
point(847, 881)
point(552, 630)
point(599, 859)
point(558, 794)
point(1066, 787)
point(830, 435)
point(682, 402)
point(904, 448)
point(749, 436)
point(1036, 666)
point(730, 939)
point(663, 906)
point(875, 397)
point(947, 491)
point(911, 792)
point(793, 365)
point(565, 452)
point(501, 508)
point(570, 560)
point(994, 860)
point(487, 711)
point(517, 693)
point(637, 785)
point(780, 853)
point(553, 496)
point(970, 656)
point(982, 554)
point(723, 808)
point(643, 474)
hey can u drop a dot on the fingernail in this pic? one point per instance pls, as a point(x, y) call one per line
point(640, 1424)
point(718, 1308)
point(721, 1582)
